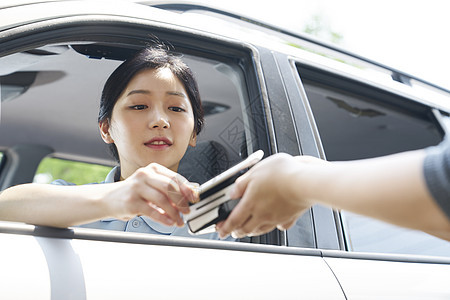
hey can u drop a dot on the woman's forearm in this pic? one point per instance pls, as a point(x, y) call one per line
point(153, 191)
point(52, 205)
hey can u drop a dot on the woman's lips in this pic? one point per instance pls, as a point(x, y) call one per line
point(158, 143)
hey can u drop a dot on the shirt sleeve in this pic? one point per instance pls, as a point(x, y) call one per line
point(61, 182)
point(437, 174)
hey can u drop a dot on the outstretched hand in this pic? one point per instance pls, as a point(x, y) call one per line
point(270, 197)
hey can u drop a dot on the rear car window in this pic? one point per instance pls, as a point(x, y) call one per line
point(364, 124)
point(356, 127)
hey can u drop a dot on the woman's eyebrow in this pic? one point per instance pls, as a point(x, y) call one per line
point(175, 93)
point(146, 92)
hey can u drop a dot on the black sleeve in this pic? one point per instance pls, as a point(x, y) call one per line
point(437, 174)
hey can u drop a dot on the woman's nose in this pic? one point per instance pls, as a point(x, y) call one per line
point(159, 120)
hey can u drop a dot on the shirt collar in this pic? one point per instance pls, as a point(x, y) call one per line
point(113, 175)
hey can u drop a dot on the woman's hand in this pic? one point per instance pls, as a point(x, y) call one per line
point(153, 191)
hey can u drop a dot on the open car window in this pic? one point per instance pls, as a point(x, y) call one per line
point(57, 89)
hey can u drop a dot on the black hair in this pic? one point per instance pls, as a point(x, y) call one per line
point(149, 58)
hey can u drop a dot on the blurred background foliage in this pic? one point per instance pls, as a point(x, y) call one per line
point(72, 171)
point(318, 26)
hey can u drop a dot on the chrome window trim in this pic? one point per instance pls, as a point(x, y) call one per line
point(146, 239)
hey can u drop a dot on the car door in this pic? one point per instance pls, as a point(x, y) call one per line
point(357, 118)
point(80, 263)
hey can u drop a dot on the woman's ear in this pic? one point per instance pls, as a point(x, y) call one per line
point(193, 141)
point(104, 131)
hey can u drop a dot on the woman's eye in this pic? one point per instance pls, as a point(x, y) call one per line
point(176, 109)
point(139, 107)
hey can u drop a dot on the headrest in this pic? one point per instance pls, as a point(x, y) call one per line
point(204, 161)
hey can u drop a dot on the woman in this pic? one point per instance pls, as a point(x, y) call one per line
point(150, 112)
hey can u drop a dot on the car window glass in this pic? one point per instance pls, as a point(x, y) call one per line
point(225, 102)
point(352, 126)
point(369, 235)
point(75, 172)
point(356, 127)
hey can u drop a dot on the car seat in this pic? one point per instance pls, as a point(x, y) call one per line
point(204, 161)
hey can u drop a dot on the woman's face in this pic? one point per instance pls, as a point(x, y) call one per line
point(152, 121)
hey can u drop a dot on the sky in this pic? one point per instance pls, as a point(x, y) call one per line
point(409, 35)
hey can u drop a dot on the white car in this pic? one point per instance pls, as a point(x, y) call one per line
point(263, 88)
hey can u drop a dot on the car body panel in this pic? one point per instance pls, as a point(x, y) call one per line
point(26, 265)
point(371, 278)
point(156, 267)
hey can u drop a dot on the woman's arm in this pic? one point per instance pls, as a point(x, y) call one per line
point(153, 191)
point(278, 190)
point(53, 205)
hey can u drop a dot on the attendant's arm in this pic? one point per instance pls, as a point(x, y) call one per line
point(279, 189)
point(153, 191)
